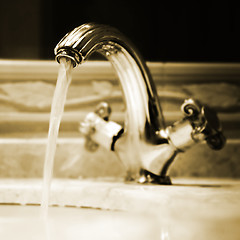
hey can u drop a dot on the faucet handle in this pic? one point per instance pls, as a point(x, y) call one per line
point(98, 130)
point(205, 123)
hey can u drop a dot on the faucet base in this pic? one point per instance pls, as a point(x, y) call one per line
point(148, 177)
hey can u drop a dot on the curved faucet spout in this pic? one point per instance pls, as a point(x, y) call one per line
point(138, 88)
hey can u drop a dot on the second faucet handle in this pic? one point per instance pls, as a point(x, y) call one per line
point(205, 123)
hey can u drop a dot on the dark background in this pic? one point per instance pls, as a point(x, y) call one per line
point(161, 30)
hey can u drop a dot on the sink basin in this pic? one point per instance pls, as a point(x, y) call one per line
point(25, 222)
point(112, 209)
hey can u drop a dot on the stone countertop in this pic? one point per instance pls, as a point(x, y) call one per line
point(189, 209)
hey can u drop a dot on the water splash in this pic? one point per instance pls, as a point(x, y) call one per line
point(57, 108)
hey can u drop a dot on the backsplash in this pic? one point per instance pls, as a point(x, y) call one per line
point(26, 90)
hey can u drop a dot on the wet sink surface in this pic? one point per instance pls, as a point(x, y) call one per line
point(189, 209)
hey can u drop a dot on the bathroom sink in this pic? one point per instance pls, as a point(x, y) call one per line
point(107, 208)
point(25, 222)
point(112, 209)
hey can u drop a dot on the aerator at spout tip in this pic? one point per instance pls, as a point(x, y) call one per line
point(69, 53)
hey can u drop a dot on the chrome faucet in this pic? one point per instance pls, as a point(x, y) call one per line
point(144, 144)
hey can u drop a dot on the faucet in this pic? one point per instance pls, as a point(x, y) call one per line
point(144, 144)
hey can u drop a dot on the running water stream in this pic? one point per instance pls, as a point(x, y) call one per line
point(57, 108)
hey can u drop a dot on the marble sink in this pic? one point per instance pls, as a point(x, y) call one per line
point(111, 209)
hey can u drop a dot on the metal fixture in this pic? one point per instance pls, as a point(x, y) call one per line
point(145, 146)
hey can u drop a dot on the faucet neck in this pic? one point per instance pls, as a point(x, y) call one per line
point(144, 116)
